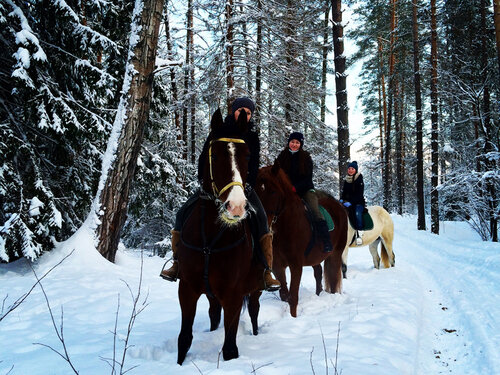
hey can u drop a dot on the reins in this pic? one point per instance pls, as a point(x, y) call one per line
point(215, 190)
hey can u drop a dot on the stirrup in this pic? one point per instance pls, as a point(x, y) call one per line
point(359, 241)
point(165, 276)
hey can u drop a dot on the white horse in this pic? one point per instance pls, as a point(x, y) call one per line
point(382, 232)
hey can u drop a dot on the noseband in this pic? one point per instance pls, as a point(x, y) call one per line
point(215, 190)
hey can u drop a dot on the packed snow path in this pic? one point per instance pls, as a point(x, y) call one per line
point(436, 312)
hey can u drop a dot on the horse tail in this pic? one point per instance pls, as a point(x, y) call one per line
point(332, 274)
point(384, 255)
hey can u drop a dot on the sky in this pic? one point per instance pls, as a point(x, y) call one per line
point(435, 312)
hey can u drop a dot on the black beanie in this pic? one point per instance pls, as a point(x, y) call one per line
point(353, 164)
point(298, 136)
point(243, 102)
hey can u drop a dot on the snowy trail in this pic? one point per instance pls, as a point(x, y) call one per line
point(435, 312)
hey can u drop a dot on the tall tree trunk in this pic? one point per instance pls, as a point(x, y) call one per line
point(247, 53)
point(383, 110)
point(173, 82)
point(258, 68)
point(123, 148)
point(324, 66)
point(488, 136)
point(496, 17)
point(388, 140)
point(340, 91)
point(290, 53)
point(187, 69)
point(191, 85)
point(434, 124)
point(419, 122)
point(398, 148)
point(229, 54)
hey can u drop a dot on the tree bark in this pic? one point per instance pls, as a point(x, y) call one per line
point(229, 54)
point(340, 91)
point(114, 187)
point(496, 17)
point(173, 82)
point(382, 104)
point(419, 122)
point(258, 68)
point(434, 124)
point(388, 141)
point(324, 67)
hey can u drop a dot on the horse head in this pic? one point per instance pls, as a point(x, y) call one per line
point(274, 189)
point(227, 161)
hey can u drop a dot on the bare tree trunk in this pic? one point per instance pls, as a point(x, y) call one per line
point(340, 91)
point(434, 124)
point(496, 17)
point(173, 82)
point(290, 58)
point(247, 53)
point(488, 136)
point(383, 119)
point(388, 141)
point(258, 68)
point(229, 54)
point(419, 122)
point(398, 149)
point(121, 156)
point(187, 68)
point(191, 86)
point(324, 67)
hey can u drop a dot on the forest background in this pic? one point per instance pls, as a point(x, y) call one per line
point(429, 90)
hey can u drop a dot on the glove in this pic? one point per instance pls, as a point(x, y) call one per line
point(347, 204)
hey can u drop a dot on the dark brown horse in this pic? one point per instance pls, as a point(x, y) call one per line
point(292, 233)
point(215, 255)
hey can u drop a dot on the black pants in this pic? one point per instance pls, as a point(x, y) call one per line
point(258, 220)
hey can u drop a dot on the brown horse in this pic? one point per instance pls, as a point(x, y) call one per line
point(292, 233)
point(215, 254)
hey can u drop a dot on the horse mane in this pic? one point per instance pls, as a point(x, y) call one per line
point(275, 172)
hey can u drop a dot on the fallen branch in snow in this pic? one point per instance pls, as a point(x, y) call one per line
point(59, 333)
point(21, 299)
point(337, 353)
point(326, 354)
point(254, 370)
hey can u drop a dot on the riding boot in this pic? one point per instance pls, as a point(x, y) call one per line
point(173, 272)
point(266, 244)
point(324, 235)
point(359, 240)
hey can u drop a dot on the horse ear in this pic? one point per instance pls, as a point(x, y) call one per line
point(276, 167)
point(217, 120)
point(242, 122)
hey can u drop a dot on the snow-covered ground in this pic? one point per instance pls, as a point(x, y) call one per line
point(436, 312)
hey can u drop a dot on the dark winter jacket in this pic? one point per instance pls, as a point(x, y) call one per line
point(353, 192)
point(299, 168)
point(251, 139)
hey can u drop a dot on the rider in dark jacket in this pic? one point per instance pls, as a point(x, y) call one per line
point(352, 196)
point(251, 139)
point(297, 164)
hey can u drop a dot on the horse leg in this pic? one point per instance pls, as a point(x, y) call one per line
point(318, 275)
point(187, 300)
point(232, 312)
point(253, 310)
point(281, 276)
point(374, 252)
point(214, 312)
point(344, 261)
point(296, 275)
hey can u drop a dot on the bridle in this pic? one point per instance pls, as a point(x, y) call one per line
point(215, 190)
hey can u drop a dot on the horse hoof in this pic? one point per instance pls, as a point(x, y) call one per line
point(229, 354)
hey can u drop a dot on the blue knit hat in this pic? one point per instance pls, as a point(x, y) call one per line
point(243, 102)
point(353, 164)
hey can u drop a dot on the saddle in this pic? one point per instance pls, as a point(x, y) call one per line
point(366, 218)
point(311, 219)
